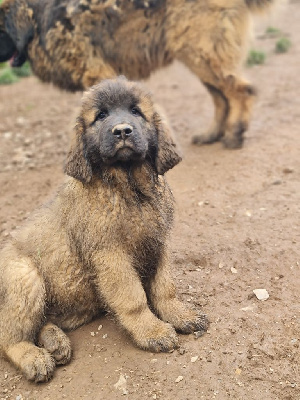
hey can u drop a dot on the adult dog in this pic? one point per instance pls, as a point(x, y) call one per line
point(75, 43)
point(100, 244)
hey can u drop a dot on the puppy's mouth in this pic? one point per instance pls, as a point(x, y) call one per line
point(127, 153)
point(124, 152)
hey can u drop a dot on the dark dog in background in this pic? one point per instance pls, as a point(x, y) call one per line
point(75, 43)
point(100, 244)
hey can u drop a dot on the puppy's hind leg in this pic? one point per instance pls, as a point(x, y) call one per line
point(53, 339)
point(21, 316)
point(35, 363)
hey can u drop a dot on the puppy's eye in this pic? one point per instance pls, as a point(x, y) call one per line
point(136, 111)
point(102, 115)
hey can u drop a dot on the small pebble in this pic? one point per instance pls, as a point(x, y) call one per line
point(179, 379)
point(248, 308)
point(288, 170)
point(21, 121)
point(27, 142)
point(198, 334)
point(122, 385)
point(261, 294)
point(7, 135)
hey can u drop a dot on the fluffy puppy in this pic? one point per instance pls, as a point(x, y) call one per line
point(100, 244)
point(75, 43)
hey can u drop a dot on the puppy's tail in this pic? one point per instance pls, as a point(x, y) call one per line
point(259, 6)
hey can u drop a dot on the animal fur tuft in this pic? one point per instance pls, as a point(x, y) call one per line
point(259, 5)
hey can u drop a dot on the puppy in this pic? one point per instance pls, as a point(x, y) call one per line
point(100, 244)
point(76, 43)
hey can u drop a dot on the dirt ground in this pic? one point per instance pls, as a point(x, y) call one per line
point(236, 230)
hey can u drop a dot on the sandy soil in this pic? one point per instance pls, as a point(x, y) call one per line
point(236, 230)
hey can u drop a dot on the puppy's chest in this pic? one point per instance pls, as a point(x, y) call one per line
point(129, 219)
point(143, 236)
point(134, 223)
point(142, 220)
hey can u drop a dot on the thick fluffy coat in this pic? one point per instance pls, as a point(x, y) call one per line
point(75, 43)
point(101, 243)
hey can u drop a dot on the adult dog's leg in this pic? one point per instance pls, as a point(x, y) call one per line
point(233, 99)
point(215, 55)
point(217, 129)
point(162, 295)
point(53, 339)
point(240, 95)
point(21, 315)
point(120, 287)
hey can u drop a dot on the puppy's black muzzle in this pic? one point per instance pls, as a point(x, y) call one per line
point(122, 131)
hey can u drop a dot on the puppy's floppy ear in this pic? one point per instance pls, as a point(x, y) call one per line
point(77, 164)
point(167, 153)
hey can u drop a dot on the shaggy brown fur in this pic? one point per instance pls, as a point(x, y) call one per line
point(75, 43)
point(100, 244)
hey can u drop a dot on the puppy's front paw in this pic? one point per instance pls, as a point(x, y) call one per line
point(37, 365)
point(183, 319)
point(198, 323)
point(159, 338)
point(56, 342)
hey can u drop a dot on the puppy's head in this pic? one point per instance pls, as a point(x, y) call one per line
point(16, 31)
point(119, 125)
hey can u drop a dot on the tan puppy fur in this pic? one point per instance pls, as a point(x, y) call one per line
point(74, 44)
point(101, 243)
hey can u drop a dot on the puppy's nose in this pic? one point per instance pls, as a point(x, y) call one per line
point(122, 131)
